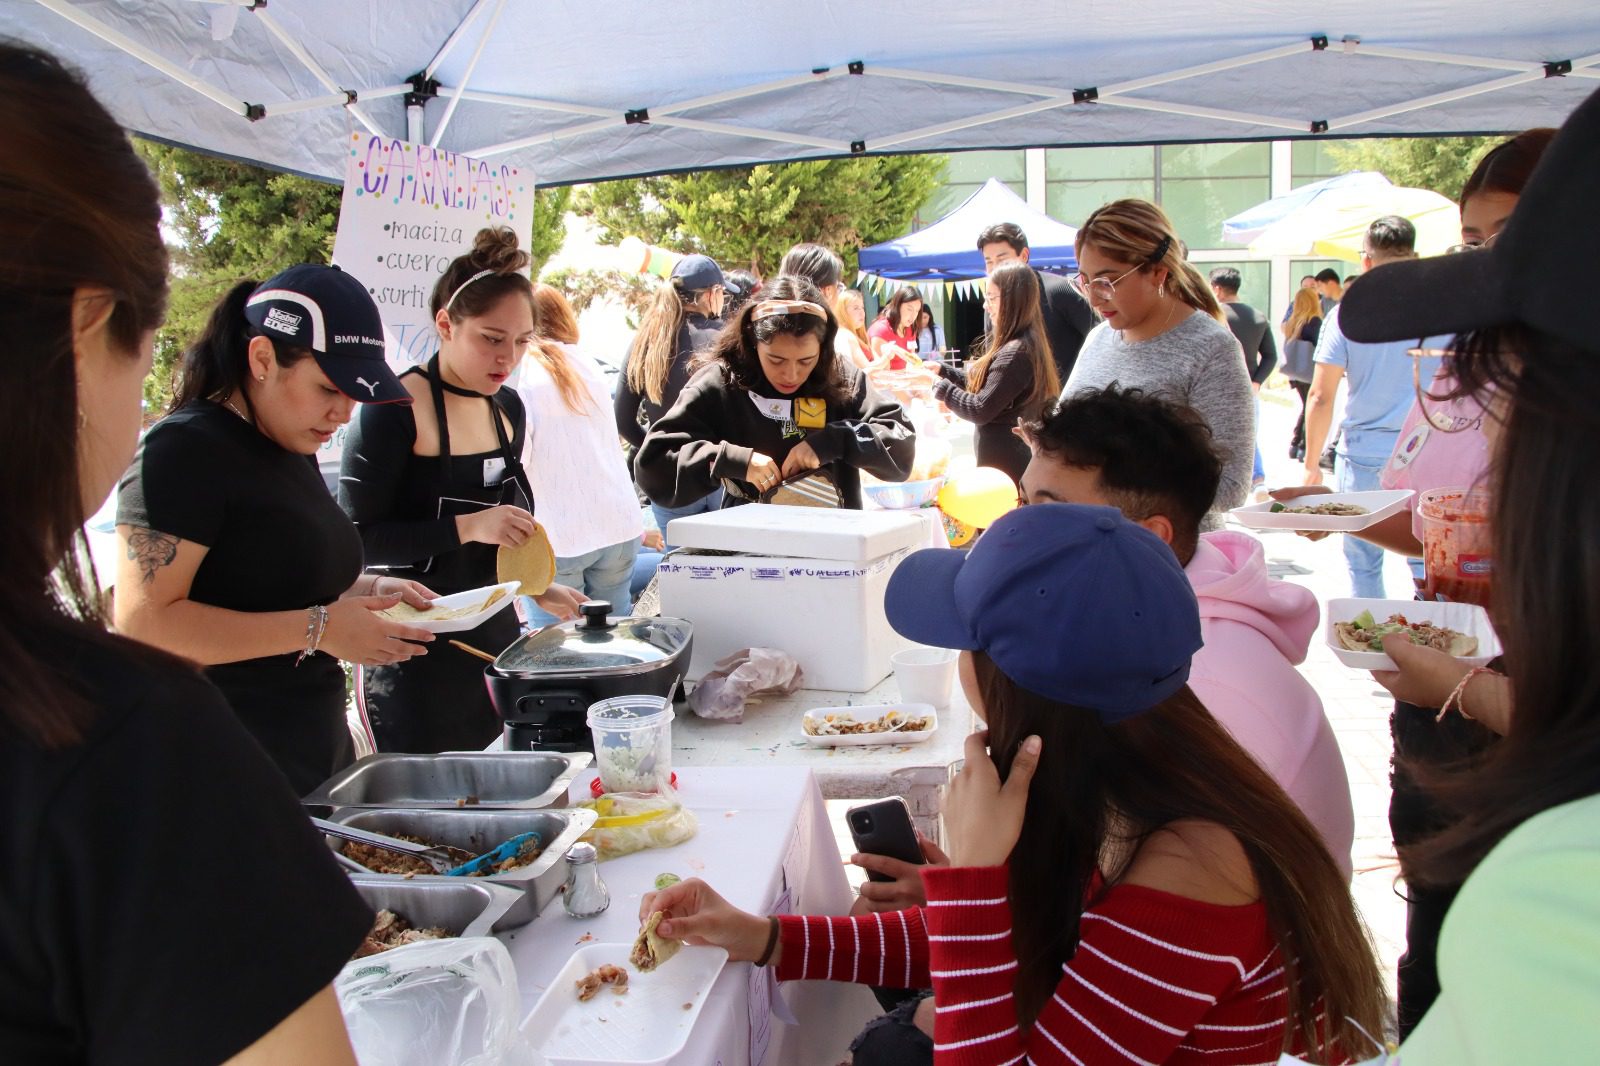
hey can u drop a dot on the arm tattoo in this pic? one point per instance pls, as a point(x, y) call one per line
point(151, 550)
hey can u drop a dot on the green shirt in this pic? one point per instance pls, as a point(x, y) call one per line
point(1519, 956)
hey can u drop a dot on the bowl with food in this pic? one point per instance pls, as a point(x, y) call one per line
point(1324, 512)
point(1358, 629)
point(885, 723)
point(457, 612)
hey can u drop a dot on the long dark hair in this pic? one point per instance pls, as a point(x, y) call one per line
point(1544, 596)
point(818, 265)
point(79, 210)
point(897, 303)
point(735, 349)
point(1507, 166)
point(1020, 320)
point(217, 363)
point(1120, 783)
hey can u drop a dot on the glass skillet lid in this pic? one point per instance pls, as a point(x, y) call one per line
point(596, 646)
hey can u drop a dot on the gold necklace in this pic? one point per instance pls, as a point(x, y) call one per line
point(228, 403)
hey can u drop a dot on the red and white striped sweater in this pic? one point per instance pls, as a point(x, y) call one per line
point(1157, 978)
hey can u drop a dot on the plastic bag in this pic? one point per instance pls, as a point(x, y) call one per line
point(727, 685)
point(436, 1003)
point(633, 821)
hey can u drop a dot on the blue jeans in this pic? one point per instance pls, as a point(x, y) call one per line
point(664, 515)
point(1258, 473)
point(644, 568)
point(604, 574)
point(1360, 474)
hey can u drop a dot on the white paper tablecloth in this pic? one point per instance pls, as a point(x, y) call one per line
point(764, 844)
point(770, 736)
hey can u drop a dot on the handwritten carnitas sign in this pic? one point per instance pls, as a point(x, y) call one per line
point(407, 211)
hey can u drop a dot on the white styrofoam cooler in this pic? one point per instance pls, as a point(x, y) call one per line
point(806, 580)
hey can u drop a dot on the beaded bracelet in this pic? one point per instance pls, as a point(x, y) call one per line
point(1456, 697)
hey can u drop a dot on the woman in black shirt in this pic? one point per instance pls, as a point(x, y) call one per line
point(773, 400)
point(162, 897)
point(437, 487)
point(1013, 380)
point(234, 553)
point(683, 321)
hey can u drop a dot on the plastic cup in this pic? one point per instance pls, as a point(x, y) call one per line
point(1458, 546)
point(632, 742)
point(925, 675)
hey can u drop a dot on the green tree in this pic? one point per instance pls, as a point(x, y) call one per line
point(232, 221)
point(550, 207)
point(750, 216)
point(1442, 164)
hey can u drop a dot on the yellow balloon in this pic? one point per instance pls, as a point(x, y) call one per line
point(978, 497)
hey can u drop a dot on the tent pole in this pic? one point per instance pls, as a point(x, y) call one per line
point(472, 65)
point(880, 143)
point(310, 64)
point(478, 96)
point(1361, 48)
point(1436, 99)
point(453, 40)
point(1206, 112)
point(144, 55)
point(414, 130)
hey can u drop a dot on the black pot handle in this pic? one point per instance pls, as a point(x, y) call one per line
point(596, 615)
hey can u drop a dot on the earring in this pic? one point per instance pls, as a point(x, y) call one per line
point(83, 419)
point(261, 377)
point(1161, 290)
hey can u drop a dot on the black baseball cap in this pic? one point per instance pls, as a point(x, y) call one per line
point(697, 272)
point(331, 313)
point(1524, 276)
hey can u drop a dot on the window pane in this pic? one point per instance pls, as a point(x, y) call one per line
point(1216, 160)
point(1198, 206)
point(1255, 281)
point(1088, 164)
point(1073, 201)
point(1310, 161)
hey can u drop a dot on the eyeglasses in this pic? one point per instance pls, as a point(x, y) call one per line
point(1456, 249)
point(1102, 289)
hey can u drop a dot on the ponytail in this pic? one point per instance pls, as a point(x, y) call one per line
point(656, 346)
point(1139, 232)
point(217, 364)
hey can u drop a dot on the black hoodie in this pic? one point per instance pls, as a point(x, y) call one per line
point(716, 426)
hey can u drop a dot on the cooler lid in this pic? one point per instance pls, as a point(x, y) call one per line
point(800, 532)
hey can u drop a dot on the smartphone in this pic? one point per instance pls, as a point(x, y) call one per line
point(884, 827)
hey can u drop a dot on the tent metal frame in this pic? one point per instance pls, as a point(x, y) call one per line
point(1510, 72)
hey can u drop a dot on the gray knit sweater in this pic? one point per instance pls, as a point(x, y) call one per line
point(1196, 362)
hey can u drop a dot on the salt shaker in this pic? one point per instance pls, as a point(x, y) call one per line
point(584, 895)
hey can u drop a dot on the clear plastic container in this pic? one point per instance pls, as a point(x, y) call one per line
point(1458, 545)
point(633, 742)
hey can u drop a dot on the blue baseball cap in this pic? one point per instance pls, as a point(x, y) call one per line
point(1074, 603)
point(696, 272)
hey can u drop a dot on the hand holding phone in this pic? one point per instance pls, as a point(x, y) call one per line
point(884, 827)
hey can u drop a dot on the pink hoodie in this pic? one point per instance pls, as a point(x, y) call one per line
point(1256, 630)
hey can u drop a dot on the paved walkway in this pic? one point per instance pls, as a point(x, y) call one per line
point(1357, 707)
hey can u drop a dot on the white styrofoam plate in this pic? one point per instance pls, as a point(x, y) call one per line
point(1465, 618)
point(867, 714)
point(477, 618)
point(1380, 504)
point(649, 1024)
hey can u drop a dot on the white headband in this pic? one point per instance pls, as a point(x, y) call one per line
point(480, 274)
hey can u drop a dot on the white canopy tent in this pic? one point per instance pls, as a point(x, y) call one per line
point(581, 91)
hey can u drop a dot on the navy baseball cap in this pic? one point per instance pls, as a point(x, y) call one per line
point(1074, 603)
point(331, 313)
point(696, 272)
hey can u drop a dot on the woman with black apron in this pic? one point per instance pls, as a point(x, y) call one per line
point(437, 488)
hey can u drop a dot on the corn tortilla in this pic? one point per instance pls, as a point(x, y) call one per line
point(532, 562)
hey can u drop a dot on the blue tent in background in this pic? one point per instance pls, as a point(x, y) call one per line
point(948, 250)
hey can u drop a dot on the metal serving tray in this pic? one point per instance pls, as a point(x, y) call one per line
point(466, 907)
point(477, 830)
point(498, 780)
